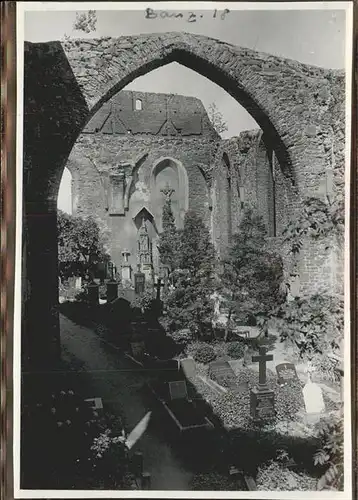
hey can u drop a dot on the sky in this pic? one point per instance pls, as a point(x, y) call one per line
point(314, 37)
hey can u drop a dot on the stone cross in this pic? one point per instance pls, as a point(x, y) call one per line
point(158, 285)
point(125, 255)
point(262, 358)
point(167, 191)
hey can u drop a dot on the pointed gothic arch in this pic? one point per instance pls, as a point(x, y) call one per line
point(53, 120)
point(169, 170)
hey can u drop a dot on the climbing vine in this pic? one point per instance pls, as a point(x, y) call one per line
point(316, 220)
point(314, 325)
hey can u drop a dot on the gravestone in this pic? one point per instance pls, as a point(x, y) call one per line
point(313, 398)
point(139, 283)
point(286, 373)
point(188, 367)
point(78, 283)
point(262, 404)
point(246, 357)
point(262, 399)
point(96, 404)
point(222, 373)
point(93, 294)
point(178, 390)
point(112, 291)
point(220, 369)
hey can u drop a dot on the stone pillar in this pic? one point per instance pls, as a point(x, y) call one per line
point(40, 308)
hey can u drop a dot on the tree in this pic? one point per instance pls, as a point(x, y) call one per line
point(217, 119)
point(252, 277)
point(189, 305)
point(168, 240)
point(85, 21)
point(80, 241)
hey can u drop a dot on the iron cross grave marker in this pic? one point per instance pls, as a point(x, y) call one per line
point(262, 359)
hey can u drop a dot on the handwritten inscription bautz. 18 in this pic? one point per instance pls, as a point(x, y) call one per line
point(188, 16)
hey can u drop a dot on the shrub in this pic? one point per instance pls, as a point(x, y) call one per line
point(182, 337)
point(213, 481)
point(204, 354)
point(331, 454)
point(236, 350)
point(275, 477)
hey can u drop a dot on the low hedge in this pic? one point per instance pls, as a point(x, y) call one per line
point(236, 350)
point(204, 354)
point(275, 477)
point(213, 481)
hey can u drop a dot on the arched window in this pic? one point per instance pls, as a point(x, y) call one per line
point(266, 184)
point(138, 105)
point(64, 200)
point(228, 196)
point(272, 196)
point(170, 173)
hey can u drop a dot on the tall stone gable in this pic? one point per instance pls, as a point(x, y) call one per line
point(136, 144)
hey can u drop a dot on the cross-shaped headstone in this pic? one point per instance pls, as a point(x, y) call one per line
point(262, 358)
point(158, 286)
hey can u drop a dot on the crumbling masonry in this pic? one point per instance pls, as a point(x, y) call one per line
point(125, 149)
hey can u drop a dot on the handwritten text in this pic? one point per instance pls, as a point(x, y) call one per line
point(190, 17)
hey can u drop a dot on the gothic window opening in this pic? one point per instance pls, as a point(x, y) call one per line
point(272, 230)
point(169, 177)
point(65, 200)
point(228, 196)
point(145, 215)
point(138, 105)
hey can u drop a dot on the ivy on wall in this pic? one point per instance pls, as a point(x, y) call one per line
point(316, 220)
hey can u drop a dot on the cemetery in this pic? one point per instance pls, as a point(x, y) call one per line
point(249, 387)
point(183, 327)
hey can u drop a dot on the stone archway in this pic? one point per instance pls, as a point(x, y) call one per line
point(80, 75)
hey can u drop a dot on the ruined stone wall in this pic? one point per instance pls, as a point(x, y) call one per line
point(256, 176)
point(252, 163)
point(300, 109)
point(143, 141)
